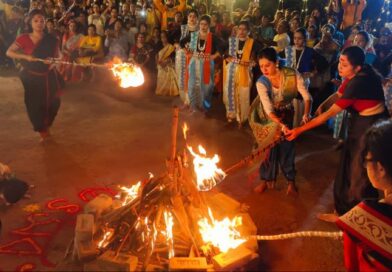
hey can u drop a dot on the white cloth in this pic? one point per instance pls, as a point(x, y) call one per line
point(282, 40)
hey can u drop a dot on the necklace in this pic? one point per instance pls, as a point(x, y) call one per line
point(200, 47)
point(299, 59)
point(238, 51)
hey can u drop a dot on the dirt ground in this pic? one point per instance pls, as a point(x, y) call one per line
point(105, 136)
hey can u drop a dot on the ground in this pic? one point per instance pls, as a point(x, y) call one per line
point(105, 136)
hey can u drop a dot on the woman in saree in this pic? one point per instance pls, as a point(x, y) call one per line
point(141, 52)
point(40, 80)
point(166, 73)
point(202, 51)
point(362, 95)
point(238, 74)
point(367, 227)
point(70, 52)
point(141, 55)
point(182, 61)
point(273, 110)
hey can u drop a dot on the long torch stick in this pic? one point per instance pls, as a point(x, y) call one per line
point(254, 155)
point(174, 139)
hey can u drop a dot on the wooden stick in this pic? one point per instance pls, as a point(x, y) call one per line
point(125, 239)
point(254, 155)
point(174, 139)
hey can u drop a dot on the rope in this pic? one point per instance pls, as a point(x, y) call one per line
point(325, 234)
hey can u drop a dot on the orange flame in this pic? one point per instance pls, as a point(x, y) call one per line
point(131, 193)
point(169, 232)
point(130, 75)
point(106, 238)
point(222, 234)
point(208, 175)
point(185, 130)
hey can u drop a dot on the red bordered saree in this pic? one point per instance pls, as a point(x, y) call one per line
point(367, 237)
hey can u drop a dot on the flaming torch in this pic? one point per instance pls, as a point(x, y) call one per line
point(129, 74)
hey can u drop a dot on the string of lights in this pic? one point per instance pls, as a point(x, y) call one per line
point(385, 15)
point(281, 5)
point(304, 10)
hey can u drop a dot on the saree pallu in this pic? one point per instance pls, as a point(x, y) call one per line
point(200, 93)
point(200, 74)
point(340, 125)
point(367, 237)
point(41, 86)
point(237, 82)
point(281, 154)
point(180, 68)
point(166, 74)
point(236, 97)
point(349, 163)
point(264, 129)
point(304, 65)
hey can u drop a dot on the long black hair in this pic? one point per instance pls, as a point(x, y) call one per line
point(377, 141)
point(355, 55)
point(31, 15)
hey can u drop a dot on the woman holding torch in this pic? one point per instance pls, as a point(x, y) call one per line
point(40, 80)
point(361, 93)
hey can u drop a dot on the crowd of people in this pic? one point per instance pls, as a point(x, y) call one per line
point(275, 73)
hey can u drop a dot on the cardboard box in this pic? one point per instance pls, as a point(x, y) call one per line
point(232, 259)
point(188, 264)
point(122, 262)
point(85, 227)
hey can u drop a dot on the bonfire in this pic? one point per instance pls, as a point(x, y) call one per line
point(173, 221)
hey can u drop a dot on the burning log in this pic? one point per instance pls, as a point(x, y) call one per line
point(164, 221)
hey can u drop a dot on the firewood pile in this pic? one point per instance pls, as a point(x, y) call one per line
point(164, 223)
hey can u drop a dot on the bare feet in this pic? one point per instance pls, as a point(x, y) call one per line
point(328, 217)
point(291, 189)
point(45, 135)
point(260, 188)
point(271, 184)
